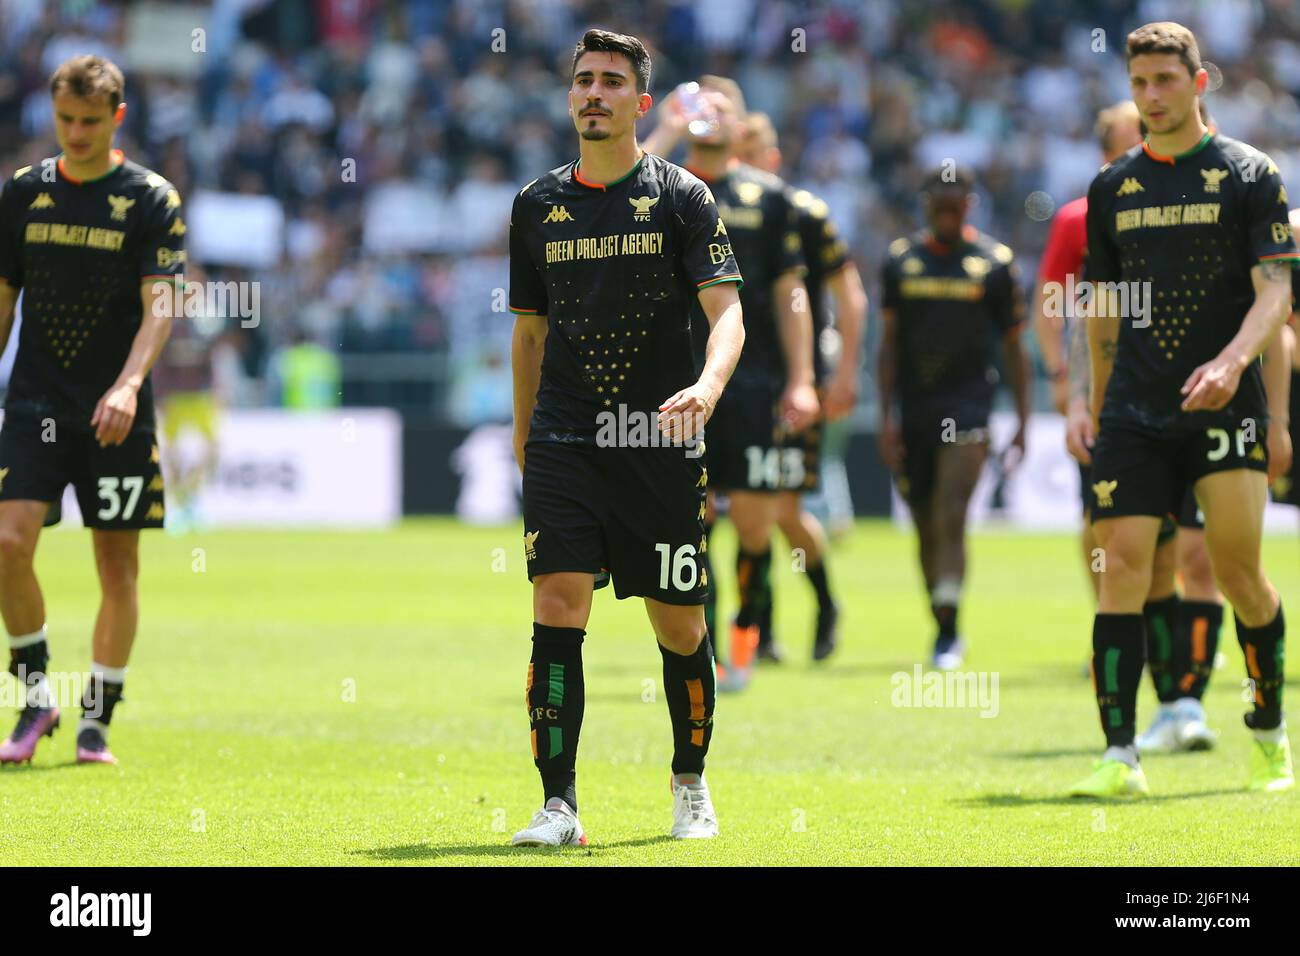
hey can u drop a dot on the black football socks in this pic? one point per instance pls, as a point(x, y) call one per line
point(556, 699)
point(753, 572)
point(1117, 658)
point(1166, 655)
point(1199, 623)
point(1263, 647)
point(690, 686)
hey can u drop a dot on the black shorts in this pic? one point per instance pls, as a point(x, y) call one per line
point(921, 455)
point(750, 449)
point(119, 487)
point(1137, 470)
point(1188, 516)
point(633, 514)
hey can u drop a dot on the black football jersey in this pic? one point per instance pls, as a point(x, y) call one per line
point(763, 228)
point(952, 305)
point(80, 251)
point(616, 270)
point(1185, 231)
point(824, 254)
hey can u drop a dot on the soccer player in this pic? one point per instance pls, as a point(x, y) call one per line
point(951, 299)
point(607, 256)
point(91, 239)
point(1283, 487)
point(1189, 243)
point(757, 443)
point(829, 269)
point(1182, 631)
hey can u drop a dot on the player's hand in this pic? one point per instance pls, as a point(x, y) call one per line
point(684, 415)
point(1212, 385)
point(114, 415)
point(1014, 453)
point(1279, 451)
point(1080, 432)
point(799, 407)
point(841, 395)
point(519, 441)
point(892, 449)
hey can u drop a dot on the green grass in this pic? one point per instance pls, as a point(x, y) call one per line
point(238, 746)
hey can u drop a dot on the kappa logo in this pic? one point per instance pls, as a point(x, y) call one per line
point(4, 473)
point(1256, 453)
point(178, 227)
point(1103, 490)
point(1212, 179)
point(720, 231)
point(530, 545)
point(155, 512)
point(558, 214)
point(975, 266)
point(43, 201)
point(1128, 187)
point(120, 205)
point(154, 457)
point(641, 207)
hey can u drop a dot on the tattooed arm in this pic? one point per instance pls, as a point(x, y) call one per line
point(1103, 343)
point(1213, 384)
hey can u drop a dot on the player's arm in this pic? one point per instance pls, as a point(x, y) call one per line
point(684, 415)
point(799, 401)
point(1101, 312)
point(1048, 326)
point(115, 411)
point(8, 300)
point(887, 375)
point(851, 304)
point(1277, 386)
point(1016, 361)
point(1079, 435)
point(1212, 385)
point(1008, 304)
point(527, 346)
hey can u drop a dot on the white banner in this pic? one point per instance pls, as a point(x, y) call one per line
point(1043, 493)
point(274, 468)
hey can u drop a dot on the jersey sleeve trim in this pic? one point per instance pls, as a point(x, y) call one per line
point(733, 278)
point(1280, 255)
point(518, 311)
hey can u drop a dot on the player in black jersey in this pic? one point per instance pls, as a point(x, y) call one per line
point(830, 270)
point(757, 447)
point(1189, 251)
point(1283, 487)
point(608, 256)
point(92, 241)
point(951, 299)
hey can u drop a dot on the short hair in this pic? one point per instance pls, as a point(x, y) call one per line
point(758, 126)
point(87, 76)
point(602, 41)
point(1112, 116)
point(728, 88)
point(949, 178)
point(1165, 37)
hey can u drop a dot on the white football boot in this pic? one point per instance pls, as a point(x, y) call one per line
point(693, 814)
point(554, 825)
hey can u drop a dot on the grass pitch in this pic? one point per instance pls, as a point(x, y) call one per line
point(357, 699)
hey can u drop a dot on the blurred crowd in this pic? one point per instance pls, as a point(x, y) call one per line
point(393, 134)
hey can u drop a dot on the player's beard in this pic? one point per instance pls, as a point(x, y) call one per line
point(594, 133)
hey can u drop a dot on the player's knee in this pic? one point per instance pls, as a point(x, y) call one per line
point(16, 551)
point(682, 637)
point(1242, 582)
point(118, 571)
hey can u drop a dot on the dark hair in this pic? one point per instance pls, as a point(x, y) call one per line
point(602, 41)
point(88, 76)
point(954, 178)
point(1165, 37)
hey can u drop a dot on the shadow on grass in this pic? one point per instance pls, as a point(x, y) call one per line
point(1044, 754)
point(1004, 800)
point(431, 851)
point(39, 767)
